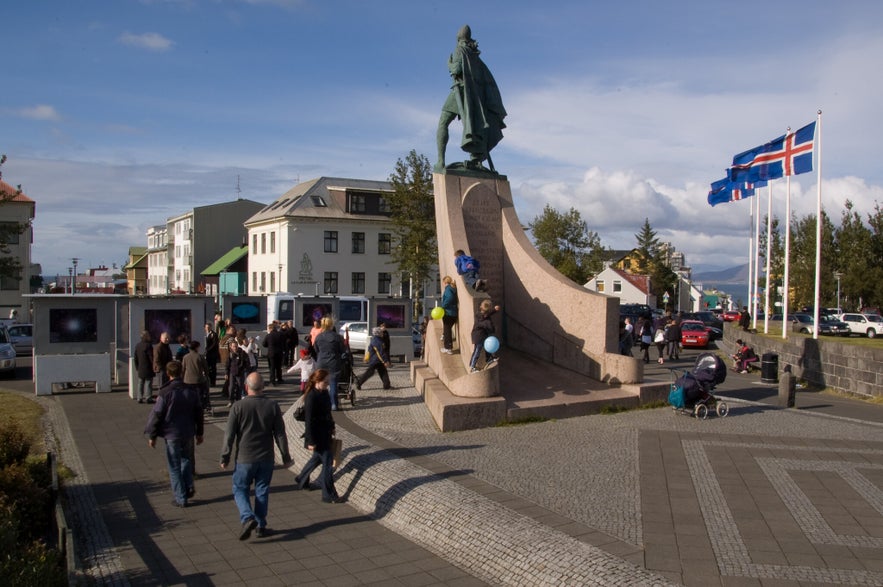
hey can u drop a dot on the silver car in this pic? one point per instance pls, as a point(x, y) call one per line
point(358, 334)
point(7, 353)
point(21, 336)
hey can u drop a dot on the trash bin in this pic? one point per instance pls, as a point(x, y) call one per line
point(769, 368)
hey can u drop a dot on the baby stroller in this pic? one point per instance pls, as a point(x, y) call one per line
point(691, 392)
point(346, 383)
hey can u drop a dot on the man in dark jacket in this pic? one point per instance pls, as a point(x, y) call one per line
point(162, 354)
point(254, 424)
point(275, 345)
point(177, 417)
point(378, 360)
point(144, 367)
point(212, 353)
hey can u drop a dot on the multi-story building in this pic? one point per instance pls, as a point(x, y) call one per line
point(16, 210)
point(136, 271)
point(197, 238)
point(158, 260)
point(326, 236)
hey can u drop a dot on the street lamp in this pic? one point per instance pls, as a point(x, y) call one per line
point(837, 276)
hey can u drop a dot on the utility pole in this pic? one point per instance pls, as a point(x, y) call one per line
point(74, 282)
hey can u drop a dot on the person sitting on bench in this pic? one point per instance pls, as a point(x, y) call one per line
point(744, 357)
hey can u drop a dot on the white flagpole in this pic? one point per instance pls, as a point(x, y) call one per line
point(754, 295)
point(815, 333)
point(785, 322)
point(769, 234)
point(747, 303)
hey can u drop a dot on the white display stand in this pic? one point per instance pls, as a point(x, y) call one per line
point(49, 369)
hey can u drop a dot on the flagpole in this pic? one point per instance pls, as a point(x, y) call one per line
point(754, 295)
point(747, 303)
point(769, 232)
point(815, 334)
point(785, 322)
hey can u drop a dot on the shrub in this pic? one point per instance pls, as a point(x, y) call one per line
point(29, 499)
point(14, 444)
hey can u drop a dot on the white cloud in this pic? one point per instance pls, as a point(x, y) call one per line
point(39, 112)
point(149, 41)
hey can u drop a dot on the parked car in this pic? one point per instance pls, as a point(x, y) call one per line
point(838, 327)
point(804, 324)
point(358, 334)
point(694, 334)
point(21, 336)
point(869, 325)
point(7, 353)
point(706, 317)
point(730, 316)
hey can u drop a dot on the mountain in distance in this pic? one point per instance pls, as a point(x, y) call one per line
point(732, 281)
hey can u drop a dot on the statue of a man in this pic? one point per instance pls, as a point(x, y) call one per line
point(475, 99)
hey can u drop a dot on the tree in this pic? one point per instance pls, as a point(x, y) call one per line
point(9, 231)
point(412, 212)
point(853, 261)
point(802, 271)
point(777, 258)
point(651, 261)
point(566, 242)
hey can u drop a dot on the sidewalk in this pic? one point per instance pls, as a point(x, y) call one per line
point(763, 497)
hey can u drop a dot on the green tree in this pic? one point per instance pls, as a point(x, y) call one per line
point(802, 271)
point(853, 261)
point(875, 252)
point(651, 261)
point(10, 266)
point(565, 241)
point(412, 212)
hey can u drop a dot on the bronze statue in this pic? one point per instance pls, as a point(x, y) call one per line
point(475, 99)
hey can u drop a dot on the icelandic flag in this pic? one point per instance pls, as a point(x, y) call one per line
point(723, 191)
point(790, 154)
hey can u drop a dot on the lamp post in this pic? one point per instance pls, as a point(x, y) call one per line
point(837, 276)
point(74, 282)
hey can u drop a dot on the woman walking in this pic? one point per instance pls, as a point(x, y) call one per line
point(318, 436)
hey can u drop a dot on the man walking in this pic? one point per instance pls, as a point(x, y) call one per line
point(162, 354)
point(177, 417)
point(253, 426)
point(275, 345)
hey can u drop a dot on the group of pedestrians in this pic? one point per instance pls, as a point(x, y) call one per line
point(664, 333)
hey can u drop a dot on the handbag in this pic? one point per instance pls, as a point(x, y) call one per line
point(367, 356)
point(660, 336)
point(300, 413)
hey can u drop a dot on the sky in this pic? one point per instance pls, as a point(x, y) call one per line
point(119, 114)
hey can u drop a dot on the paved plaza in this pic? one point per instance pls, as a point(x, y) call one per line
point(763, 497)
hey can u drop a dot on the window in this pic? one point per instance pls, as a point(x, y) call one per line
point(358, 283)
point(383, 282)
point(405, 285)
point(263, 281)
point(9, 283)
point(599, 285)
point(330, 241)
point(358, 243)
point(254, 244)
point(357, 203)
point(384, 243)
point(331, 282)
point(263, 243)
point(11, 231)
point(272, 281)
point(617, 286)
point(254, 281)
point(272, 242)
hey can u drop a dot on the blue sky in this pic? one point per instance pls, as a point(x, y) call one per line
point(119, 114)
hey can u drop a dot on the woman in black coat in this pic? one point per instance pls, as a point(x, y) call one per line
point(330, 348)
point(318, 436)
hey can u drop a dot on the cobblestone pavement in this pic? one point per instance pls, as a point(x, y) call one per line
point(762, 497)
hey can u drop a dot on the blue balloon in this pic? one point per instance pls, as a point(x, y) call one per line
point(492, 344)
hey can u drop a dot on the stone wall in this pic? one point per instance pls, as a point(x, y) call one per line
point(827, 361)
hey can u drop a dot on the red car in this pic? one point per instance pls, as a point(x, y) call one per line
point(730, 316)
point(694, 333)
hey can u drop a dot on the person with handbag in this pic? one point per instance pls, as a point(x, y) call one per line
point(319, 436)
point(377, 359)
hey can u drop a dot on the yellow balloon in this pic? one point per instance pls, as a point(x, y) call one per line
point(437, 313)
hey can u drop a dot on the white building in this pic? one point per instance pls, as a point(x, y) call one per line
point(16, 210)
point(629, 288)
point(158, 260)
point(199, 237)
point(325, 236)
